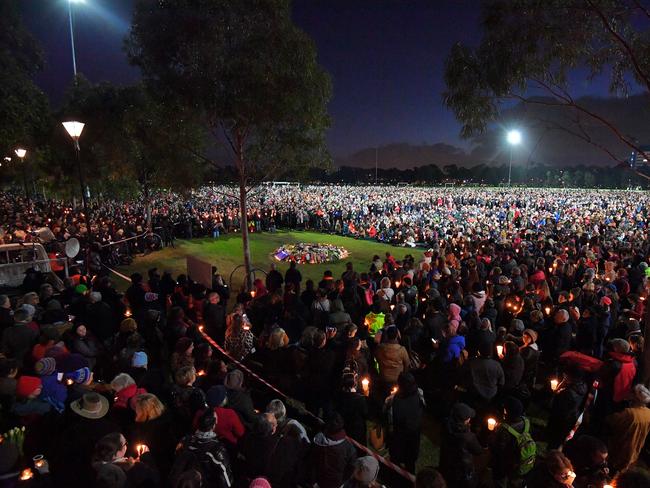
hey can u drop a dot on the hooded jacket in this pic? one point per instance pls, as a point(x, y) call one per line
point(624, 380)
point(332, 460)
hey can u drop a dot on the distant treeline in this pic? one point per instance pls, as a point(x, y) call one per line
point(581, 176)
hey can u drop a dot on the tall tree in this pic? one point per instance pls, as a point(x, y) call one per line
point(132, 137)
point(248, 72)
point(23, 105)
point(530, 47)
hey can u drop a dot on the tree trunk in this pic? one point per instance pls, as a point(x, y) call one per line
point(244, 233)
point(243, 221)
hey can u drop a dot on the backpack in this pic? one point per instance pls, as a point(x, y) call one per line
point(214, 468)
point(527, 447)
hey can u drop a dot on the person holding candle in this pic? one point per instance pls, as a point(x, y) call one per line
point(458, 448)
point(565, 409)
point(510, 466)
point(405, 409)
point(111, 462)
point(554, 471)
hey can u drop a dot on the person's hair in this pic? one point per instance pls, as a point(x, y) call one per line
point(3, 299)
point(263, 425)
point(185, 375)
point(107, 447)
point(633, 478)
point(348, 381)
point(121, 381)
point(30, 297)
point(277, 408)
point(407, 384)
point(429, 477)
point(556, 462)
point(207, 420)
point(95, 297)
point(333, 424)
point(391, 333)
point(189, 479)
point(148, 407)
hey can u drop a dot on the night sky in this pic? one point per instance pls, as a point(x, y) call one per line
point(385, 57)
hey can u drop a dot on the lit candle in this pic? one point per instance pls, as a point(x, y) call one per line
point(554, 384)
point(26, 474)
point(200, 372)
point(252, 293)
point(201, 328)
point(128, 312)
point(392, 307)
point(500, 351)
point(491, 423)
point(69, 381)
point(365, 386)
point(394, 390)
point(38, 461)
point(547, 310)
point(140, 448)
point(397, 283)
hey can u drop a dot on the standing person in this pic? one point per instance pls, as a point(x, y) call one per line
point(332, 457)
point(555, 471)
point(514, 445)
point(565, 409)
point(214, 315)
point(365, 473)
point(353, 407)
point(274, 280)
point(629, 430)
point(203, 450)
point(458, 448)
point(293, 276)
point(405, 409)
point(392, 357)
point(18, 339)
point(483, 377)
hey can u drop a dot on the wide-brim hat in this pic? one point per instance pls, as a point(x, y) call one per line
point(90, 406)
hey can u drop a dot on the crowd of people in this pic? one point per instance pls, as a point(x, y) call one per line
point(514, 341)
point(399, 215)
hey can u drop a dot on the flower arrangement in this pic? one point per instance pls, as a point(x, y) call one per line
point(309, 253)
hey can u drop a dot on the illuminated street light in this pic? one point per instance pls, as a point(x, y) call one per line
point(21, 153)
point(75, 129)
point(514, 138)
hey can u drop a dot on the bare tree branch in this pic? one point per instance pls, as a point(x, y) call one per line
point(624, 44)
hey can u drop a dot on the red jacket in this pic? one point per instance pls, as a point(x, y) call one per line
point(228, 427)
point(625, 377)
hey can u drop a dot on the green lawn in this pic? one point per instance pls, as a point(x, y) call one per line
point(226, 253)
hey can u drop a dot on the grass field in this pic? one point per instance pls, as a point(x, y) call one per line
point(226, 253)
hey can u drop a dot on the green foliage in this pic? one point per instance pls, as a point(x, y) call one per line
point(130, 137)
point(528, 50)
point(23, 106)
point(246, 71)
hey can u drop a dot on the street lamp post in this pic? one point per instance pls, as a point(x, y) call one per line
point(75, 128)
point(74, 56)
point(514, 138)
point(21, 153)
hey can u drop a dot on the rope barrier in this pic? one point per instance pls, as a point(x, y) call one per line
point(398, 469)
